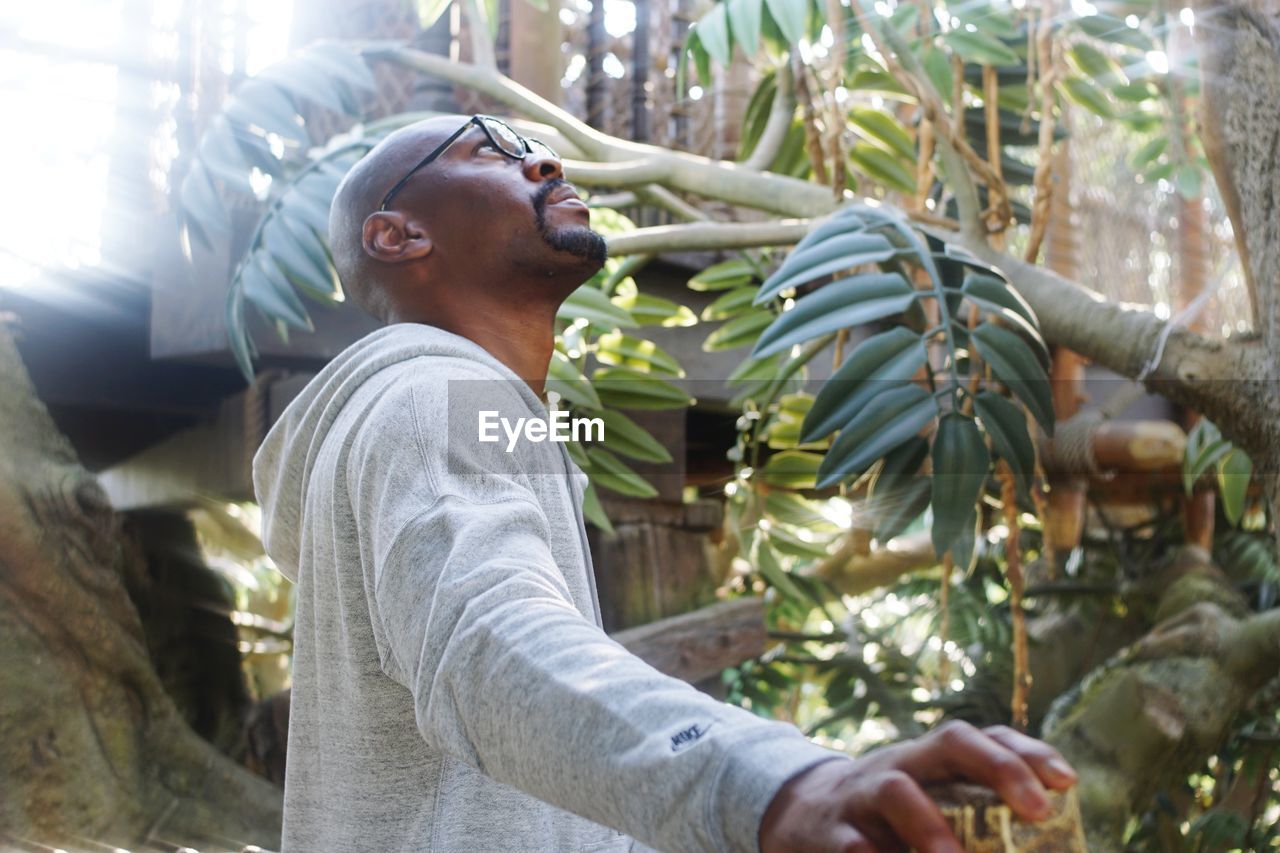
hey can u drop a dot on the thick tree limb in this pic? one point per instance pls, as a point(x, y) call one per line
point(705, 236)
point(677, 170)
point(1229, 382)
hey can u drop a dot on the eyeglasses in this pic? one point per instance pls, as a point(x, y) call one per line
point(501, 136)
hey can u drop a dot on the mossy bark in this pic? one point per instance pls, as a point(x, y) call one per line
point(1154, 713)
point(92, 749)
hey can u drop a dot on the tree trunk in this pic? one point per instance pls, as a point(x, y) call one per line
point(92, 749)
point(1154, 713)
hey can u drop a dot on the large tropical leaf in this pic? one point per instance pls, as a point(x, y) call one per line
point(1017, 366)
point(878, 363)
point(839, 305)
point(892, 418)
point(960, 466)
point(624, 388)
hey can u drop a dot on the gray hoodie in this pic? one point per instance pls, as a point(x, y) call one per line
point(452, 687)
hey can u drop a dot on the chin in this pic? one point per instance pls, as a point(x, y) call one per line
point(588, 247)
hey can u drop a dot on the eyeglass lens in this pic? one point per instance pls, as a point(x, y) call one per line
point(505, 137)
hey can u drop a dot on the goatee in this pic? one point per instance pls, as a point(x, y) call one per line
point(579, 241)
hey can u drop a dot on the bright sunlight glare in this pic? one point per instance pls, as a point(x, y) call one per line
point(69, 76)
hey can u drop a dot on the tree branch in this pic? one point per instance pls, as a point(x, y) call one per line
point(1193, 370)
point(677, 170)
point(707, 236)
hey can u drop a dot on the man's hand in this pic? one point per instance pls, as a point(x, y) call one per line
point(875, 803)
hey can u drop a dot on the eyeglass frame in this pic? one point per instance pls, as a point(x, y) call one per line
point(479, 121)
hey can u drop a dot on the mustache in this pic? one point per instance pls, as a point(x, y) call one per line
point(540, 197)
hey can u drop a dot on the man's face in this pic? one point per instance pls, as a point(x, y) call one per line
point(478, 203)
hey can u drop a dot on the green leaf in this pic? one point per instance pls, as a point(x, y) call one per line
point(1205, 446)
point(301, 267)
point(1087, 95)
point(267, 288)
point(899, 492)
point(744, 22)
point(878, 81)
point(998, 292)
point(893, 417)
point(1007, 427)
point(980, 48)
point(221, 155)
point(201, 203)
point(1096, 64)
point(791, 469)
point(836, 253)
point(881, 127)
point(791, 16)
point(615, 475)
point(625, 436)
point(592, 510)
point(766, 561)
point(791, 508)
point(725, 275)
point(1234, 472)
point(310, 80)
point(265, 106)
point(740, 331)
point(1187, 180)
point(792, 545)
point(241, 346)
point(1014, 364)
point(880, 362)
point(623, 388)
point(960, 466)
point(650, 310)
point(342, 63)
point(565, 379)
point(644, 355)
point(1194, 467)
point(1113, 29)
point(701, 58)
point(590, 303)
point(731, 303)
point(994, 297)
point(752, 369)
point(1135, 93)
point(938, 68)
point(841, 304)
point(1147, 154)
point(758, 108)
point(882, 167)
point(713, 30)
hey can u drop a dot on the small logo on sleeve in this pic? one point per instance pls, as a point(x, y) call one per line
point(688, 737)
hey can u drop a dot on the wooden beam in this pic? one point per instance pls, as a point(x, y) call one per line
point(697, 645)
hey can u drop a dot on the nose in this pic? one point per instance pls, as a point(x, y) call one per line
point(542, 167)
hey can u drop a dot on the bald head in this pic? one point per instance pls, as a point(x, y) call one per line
point(360, 194)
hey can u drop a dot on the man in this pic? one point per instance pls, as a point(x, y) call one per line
point(453, 689)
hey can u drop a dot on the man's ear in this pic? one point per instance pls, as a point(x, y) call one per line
point(392, 237)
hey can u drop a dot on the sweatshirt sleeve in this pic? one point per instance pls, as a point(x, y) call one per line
point(508, 676)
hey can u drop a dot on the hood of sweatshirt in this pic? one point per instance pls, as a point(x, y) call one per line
point(284, 463)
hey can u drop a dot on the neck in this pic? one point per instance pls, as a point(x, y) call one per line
point(519, 333)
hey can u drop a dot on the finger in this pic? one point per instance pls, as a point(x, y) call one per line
point(959, 749)
point(912, 816)
point(846, 839)
point(1046, 761)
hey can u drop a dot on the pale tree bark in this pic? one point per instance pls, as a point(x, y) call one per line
point(1240, 120)
point(92, 749)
